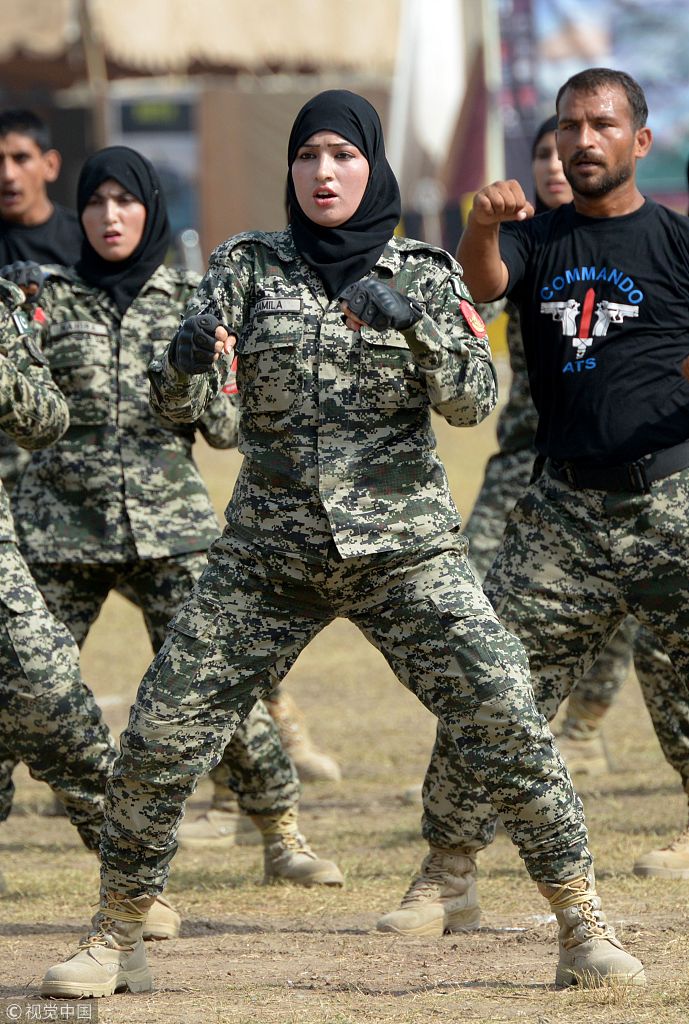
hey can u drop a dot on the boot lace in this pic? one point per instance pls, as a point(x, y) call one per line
point(282, 829)
point(117, 908)
point(679, 841)
point(577, 893)
point(433, 878)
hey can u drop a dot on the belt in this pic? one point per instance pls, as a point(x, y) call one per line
point(633, 476)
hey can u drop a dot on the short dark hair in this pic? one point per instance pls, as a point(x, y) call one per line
point(592, 79)
point(25, 122)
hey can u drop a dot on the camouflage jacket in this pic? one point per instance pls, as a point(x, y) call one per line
point(32, 410)
point(336, 425)
point(122, 483)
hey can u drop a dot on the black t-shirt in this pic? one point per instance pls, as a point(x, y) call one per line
point(56, 240)
point(604, 308)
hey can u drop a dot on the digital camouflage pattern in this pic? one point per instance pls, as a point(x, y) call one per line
point(48, 717)
point(508, 472)
point(94, 496)
point(251, 614)
point(342, 509)
point(118, 503)
point(341, 449)
point(75, 594)
point(572, 564)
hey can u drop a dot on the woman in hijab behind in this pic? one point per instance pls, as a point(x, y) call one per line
point(509, 470)
point(118, 503)
point(347, 336)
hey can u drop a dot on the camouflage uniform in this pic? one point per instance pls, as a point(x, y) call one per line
point(506, 478)
point(341, 508)
point(509, 470)
point(118, 502)
point(48, 717)
point(565, 561)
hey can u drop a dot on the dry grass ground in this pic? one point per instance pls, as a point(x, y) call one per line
point(280, 955)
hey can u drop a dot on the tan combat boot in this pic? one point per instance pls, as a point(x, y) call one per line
point(580, 739)
point(111, 958)
point(162, 921)
point(442, 898)
point(218, 827)
point(288, 857)
point(670, 861)
point(311, 764)
point(590, 953)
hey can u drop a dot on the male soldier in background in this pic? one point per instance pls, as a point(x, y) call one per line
point(32, 227)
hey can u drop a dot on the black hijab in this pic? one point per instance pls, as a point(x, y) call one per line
point(345, 254)
point(124, 279)
point(547, 126)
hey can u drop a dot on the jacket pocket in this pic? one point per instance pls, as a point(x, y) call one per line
point(269, 374)
point(80, 360)
point(389, 378)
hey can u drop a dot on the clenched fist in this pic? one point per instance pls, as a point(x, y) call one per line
point(199, 342)
point(501, 201)
point(373, 303)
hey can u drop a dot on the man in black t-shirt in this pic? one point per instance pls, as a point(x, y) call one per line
point(32, 227)
point(601, 285)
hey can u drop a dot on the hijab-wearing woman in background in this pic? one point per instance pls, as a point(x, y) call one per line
point(341, 508)
point(509, 470)
point(118, 503)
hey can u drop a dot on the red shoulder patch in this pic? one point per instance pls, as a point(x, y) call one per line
point(39, 316)
point(474, 321)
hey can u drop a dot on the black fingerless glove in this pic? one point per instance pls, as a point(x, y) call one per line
point(381, 307)
point(192, 350)
point(28, 275)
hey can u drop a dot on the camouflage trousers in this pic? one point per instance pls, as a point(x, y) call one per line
point(254, 766)
point(48, 717)
point(571, 566)
point(251, 614)
point(506, 479)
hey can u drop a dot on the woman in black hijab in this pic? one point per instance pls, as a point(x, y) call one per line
point(341, 508)
point(509, 470)
point(341, 253)
point(119, 503)
point(118, 265)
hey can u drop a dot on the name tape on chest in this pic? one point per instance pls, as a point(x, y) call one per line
point(77, 327)
point(276, 306)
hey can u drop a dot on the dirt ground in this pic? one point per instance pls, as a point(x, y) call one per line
point(281, 955)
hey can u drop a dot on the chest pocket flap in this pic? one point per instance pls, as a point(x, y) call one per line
point(389, 377)
point(269, 368)
point(80, 358)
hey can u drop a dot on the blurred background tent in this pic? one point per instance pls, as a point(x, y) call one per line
point(208, 90)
